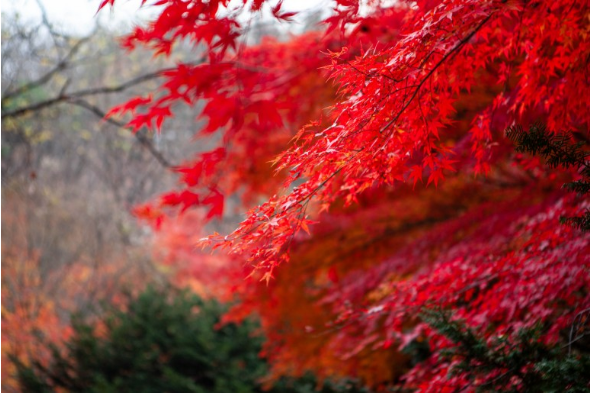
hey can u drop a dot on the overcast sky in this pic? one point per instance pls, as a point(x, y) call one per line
point(79, 16)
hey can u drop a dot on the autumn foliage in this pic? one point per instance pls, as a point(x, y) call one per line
point(392, 191)
point(45, 280)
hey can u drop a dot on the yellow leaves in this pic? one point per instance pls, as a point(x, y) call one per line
point(40, 137)
point(87, 135)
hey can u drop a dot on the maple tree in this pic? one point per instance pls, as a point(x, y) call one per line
point(417, 198)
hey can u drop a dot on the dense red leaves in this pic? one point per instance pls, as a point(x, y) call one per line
point(495, 254)
point(422, 93)
point(398, 100)
point(256, 109)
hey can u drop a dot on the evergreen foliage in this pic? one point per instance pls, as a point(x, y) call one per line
point(161, 343)
point(521, 362)
point(557, 149)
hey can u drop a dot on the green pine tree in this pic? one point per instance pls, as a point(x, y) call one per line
point(163, 341)
point(558, 149)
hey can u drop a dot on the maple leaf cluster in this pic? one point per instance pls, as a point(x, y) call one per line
point(386, 131)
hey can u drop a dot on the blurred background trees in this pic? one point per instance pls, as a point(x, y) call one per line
point(163, 340)
point(70, 244)
point(70, 179)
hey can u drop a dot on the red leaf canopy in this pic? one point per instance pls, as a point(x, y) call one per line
point(387, 130)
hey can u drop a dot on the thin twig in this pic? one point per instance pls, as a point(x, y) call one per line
point(449, 54)
point(62, 65)
point(142, 139)
point(572, 340)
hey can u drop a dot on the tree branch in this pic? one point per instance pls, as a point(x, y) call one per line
point(142, 139)
point(448, 55)
point(80, 94)
point(61, 65)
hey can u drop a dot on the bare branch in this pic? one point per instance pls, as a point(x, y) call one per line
point(46, 23)
point(142, 139)
point(62, 65)
point(80, 94)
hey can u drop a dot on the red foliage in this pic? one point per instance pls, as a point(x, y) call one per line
point(421, 93)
